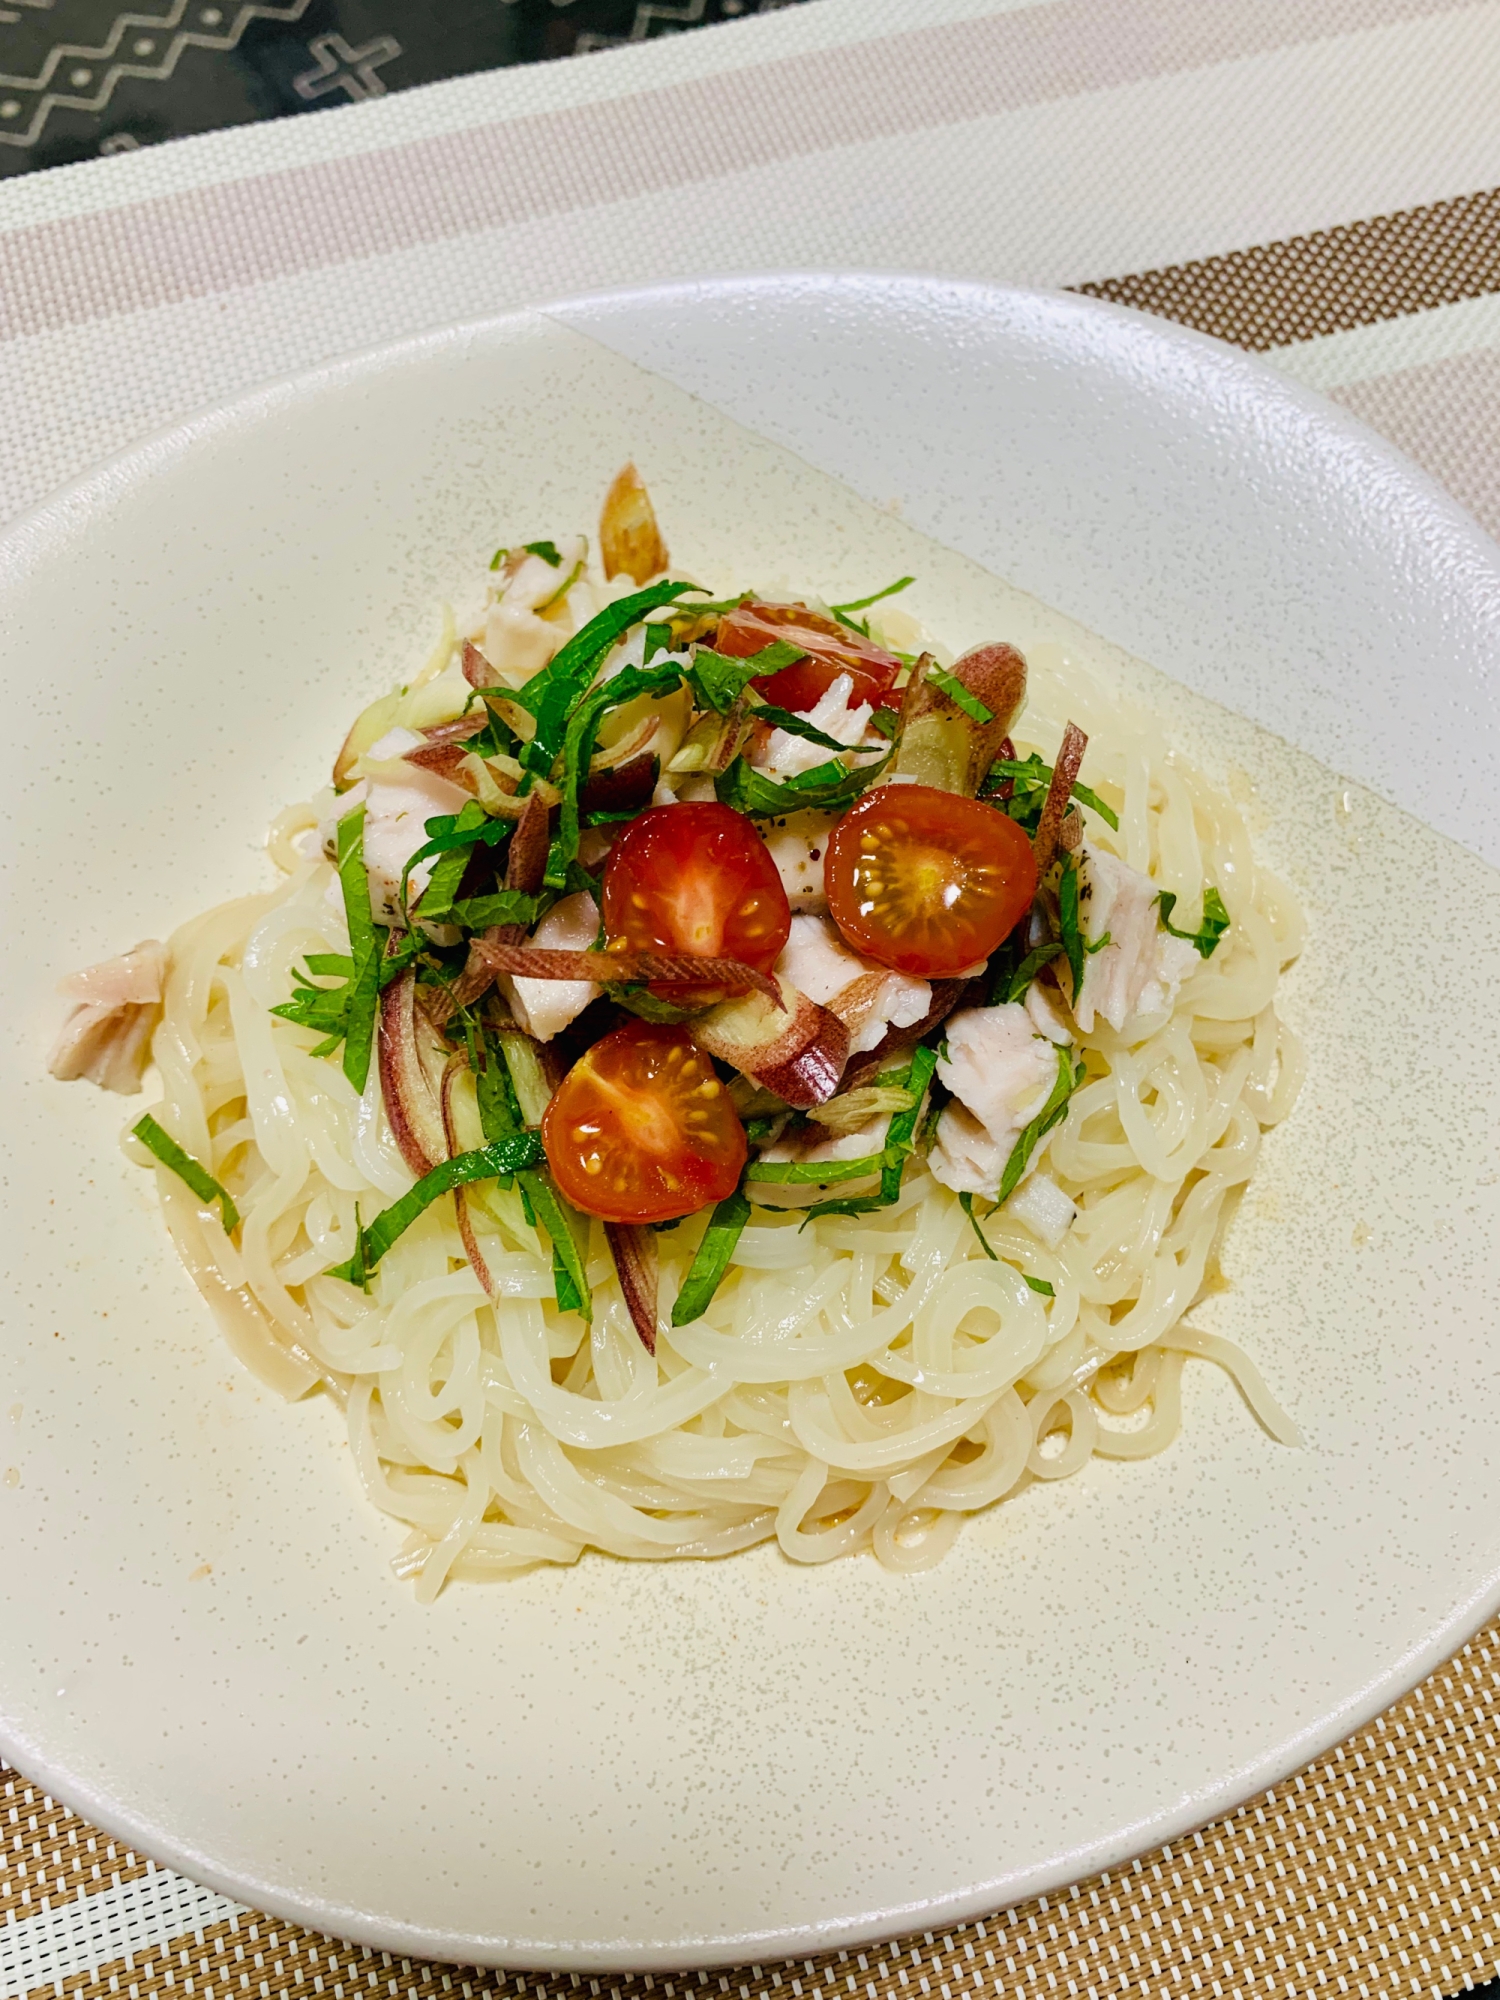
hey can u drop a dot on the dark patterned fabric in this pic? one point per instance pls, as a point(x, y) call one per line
point(84, 77)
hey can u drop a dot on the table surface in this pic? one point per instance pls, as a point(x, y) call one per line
point(85, 78)
point(1318, 180)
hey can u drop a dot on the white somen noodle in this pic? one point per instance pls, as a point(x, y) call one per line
point(859, 1383)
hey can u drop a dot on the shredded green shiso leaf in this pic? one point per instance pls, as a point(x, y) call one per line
point(1052, 1113)
point(957, 693)
point(187, 1169)
point(830, 787)
point(1029, 778)
point(336, 996)
point(862, 625)
point(1204, 940)
point(487, 1163)
point(714, 1255)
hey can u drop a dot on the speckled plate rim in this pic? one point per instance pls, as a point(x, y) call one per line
point(1465, 567)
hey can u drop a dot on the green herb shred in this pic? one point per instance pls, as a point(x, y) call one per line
point(864, 603)
point(658, 640)
point(364, 949)
point(506, 906)
point(966, 1203)
point(1074, 944)
point(324, 1009)
point(578, 748)
point(1205, 941)
point(796, 725)
point(718, 680)
point(488, 1163)
point(1018, 981)
point(564, 1226)
point(830, 787)
point(453, 834)
point(499, 1109)
point(554, 693)
point(715, 1253)
point(187, 1169)
point(436, 902)
point(500, 1118)
point(1052, 1113)
point(1030, 777)
point(900, 1142)
point(957, 693)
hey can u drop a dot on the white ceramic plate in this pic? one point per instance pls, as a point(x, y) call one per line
point(203, 1650)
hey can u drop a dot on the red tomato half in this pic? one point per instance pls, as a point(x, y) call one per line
point(696, 879)
point(832, 649)
point(925, 881)
point(641, 1129)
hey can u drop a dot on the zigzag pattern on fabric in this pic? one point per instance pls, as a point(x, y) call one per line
point(152, 72)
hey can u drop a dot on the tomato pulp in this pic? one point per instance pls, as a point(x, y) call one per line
point(927, 882)
point(696, 880)
point(642, 1130)
point(830, 650)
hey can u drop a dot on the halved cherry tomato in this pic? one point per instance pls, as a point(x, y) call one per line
point(641, 1129)
point(925, 881)
point(696, 879)
point(831, 650)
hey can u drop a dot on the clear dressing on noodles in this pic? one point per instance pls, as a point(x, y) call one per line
point(863, 1382)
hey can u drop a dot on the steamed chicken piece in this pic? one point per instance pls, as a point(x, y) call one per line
point(528, 621)
point(1044, 1208)
point(538, 606)
point(814, 1149)
point(1174, 961)
point(1142, 966)
point(544, 1007)
point(786, 756)
point(797, 845)
point(106, 1039)
point(1002, 1072)
point(397, 809)
point(867, 997)
point(1049, 1012)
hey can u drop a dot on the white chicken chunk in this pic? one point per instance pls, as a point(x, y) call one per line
point(785, 756)
point(867, 997)
point(544, 1007)
point(1142, 966)
point(527, 621)
point(106, 1039)
point(810, 1150)
point(1002, 1073)
point(797, 845)
point(1175, 960)
point(397, 810)
point(1048, 1011)
point(1044, 1208)
point(863, 1141)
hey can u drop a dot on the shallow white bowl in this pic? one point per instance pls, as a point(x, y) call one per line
point(202, 1649)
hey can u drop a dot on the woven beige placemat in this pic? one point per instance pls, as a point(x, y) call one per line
point(1375, 1872)
point(1383, 267)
